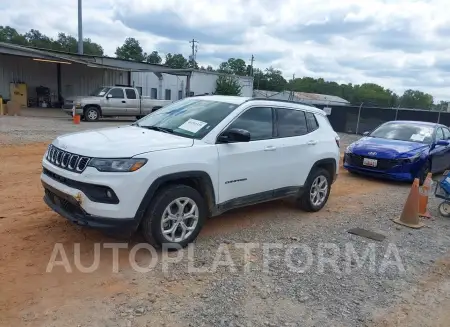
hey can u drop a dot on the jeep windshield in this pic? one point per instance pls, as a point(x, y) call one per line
point(192, 118)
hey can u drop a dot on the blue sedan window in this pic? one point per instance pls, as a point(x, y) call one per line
point(405, 132)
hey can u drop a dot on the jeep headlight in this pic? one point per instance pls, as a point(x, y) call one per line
point(117, 165)
point(349, 149)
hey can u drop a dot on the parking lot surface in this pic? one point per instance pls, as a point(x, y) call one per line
point(408, 285)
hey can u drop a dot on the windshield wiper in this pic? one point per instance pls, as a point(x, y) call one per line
point(159, 129)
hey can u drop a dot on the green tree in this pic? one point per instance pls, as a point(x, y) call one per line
point(233, 66)
point(68, 43)
point(154, 58)
point(38, 40)
point(373, 95)
point(193, 64)
point(227, 85)
point(274, 80)
point(131, 50)
point(92, 48)
point(441, 106)
point(176, 61)
point(208, 68)
point(416, 99)
point(10, 35)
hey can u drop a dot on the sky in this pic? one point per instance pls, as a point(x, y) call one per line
point(399, 44)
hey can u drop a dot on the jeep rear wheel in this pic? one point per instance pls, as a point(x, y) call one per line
point(317, 190)
point(175, 217)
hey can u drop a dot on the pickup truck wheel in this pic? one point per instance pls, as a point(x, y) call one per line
point(91, 114)
point(317, 190)
point(175, 217)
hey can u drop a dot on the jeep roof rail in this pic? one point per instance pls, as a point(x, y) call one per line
point(280, 100)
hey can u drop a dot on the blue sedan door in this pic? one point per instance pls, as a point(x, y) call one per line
point(447, 156)
point(439, 153)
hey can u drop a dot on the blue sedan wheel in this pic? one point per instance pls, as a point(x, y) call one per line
point(426, 168)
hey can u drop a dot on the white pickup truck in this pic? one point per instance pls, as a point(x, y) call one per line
point(107, 101)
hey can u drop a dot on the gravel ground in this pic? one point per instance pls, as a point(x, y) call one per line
point(20, 130)
point(348, 295)
point(353, 293)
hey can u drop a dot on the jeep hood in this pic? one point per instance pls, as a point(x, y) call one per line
point(119, 142)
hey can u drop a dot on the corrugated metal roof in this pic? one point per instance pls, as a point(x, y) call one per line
point(310, 98)
point(319, 97)
point(92, 61)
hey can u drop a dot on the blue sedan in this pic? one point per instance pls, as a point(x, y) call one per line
point(401, 150)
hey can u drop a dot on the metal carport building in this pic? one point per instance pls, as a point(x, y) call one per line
point(67, 74)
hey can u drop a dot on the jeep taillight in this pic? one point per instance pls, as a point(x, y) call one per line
point(338, 141)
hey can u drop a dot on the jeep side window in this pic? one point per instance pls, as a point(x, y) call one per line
point(291, 122)
point(117, 93)
point(258, 121)
point(312, 121)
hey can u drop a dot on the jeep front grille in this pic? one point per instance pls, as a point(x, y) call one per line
point(66, 160)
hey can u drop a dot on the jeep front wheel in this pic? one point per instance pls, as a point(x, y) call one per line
point(317, 191)
point(175, 217)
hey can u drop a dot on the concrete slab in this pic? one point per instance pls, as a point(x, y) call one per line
point(44, 112)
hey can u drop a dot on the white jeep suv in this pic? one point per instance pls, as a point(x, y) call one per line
point(193, 159)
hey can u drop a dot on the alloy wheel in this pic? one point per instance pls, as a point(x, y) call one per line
point(179, 219)
point(318, 191)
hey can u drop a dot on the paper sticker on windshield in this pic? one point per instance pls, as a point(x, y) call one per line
point(418, 137)
point(102, 93)
point(193, 125)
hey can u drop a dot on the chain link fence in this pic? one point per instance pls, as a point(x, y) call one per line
point(359, 119)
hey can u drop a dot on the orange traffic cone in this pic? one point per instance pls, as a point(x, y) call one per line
point(423, 197)
point(76, 119)
point(410, 213)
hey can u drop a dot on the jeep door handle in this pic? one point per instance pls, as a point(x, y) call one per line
point(270, 148)
point(312, 142)
point(123, 101)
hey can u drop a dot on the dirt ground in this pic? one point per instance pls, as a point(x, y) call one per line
point(29, 230)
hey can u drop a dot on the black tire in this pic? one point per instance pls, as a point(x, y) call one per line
point(305, 201)
point(151, 223)
point(444, 209)
point(422, 174)
point(91, 114)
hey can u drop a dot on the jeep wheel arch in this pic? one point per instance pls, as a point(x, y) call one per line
point(199, 180)
point(328, 164)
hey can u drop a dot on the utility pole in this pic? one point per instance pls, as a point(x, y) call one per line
point(194, 49)
point(252, 59)
point(80, 28)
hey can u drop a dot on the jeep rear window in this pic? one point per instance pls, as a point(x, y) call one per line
point(193, 118)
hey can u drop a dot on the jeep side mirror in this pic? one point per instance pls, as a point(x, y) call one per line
point(109, 96)
point(234, 135)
